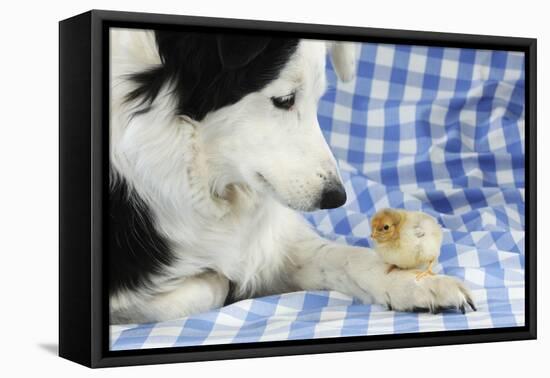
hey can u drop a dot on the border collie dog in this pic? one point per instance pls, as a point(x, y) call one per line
point(214, 148)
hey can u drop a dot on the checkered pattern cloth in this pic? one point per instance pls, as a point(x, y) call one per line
point(423, 128)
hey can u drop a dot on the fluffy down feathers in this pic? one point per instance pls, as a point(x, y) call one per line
point(407, 239)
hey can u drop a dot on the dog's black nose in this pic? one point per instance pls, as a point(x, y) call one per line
point(333, 196)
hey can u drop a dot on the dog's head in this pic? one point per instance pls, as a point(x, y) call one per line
point(254, 100)
point(270, 138)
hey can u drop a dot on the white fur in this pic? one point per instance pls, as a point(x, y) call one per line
point(224, 193)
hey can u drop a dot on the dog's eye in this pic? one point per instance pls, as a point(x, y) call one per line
point(386, 227)
point(284, 102)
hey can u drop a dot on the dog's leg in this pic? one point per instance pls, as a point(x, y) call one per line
point(187, 296)
point(359, 272)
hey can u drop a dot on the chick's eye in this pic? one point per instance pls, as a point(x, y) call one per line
point(386, 227)
point(284, 102)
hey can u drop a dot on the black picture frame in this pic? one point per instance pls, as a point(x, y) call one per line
point(83, 167)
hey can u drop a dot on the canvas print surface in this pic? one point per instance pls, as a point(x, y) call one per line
point(249, 175)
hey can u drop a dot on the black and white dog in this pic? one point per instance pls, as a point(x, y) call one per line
point(214, 145)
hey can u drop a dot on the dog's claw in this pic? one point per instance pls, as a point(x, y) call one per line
point(462, 309)
point(471, 304)
point(421, 309)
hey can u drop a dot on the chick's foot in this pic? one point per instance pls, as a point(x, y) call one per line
point(391, 267)
point(425, 274)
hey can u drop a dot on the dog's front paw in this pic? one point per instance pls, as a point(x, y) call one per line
point(431, 294)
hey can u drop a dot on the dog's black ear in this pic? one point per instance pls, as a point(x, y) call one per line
point(237, 51)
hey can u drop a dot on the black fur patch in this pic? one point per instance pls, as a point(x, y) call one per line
point(210, 71)
point(136, 249)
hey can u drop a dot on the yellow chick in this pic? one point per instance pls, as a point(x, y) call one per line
point(407, 239)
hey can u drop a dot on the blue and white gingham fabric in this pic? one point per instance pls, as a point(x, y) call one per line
point(425, 128)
